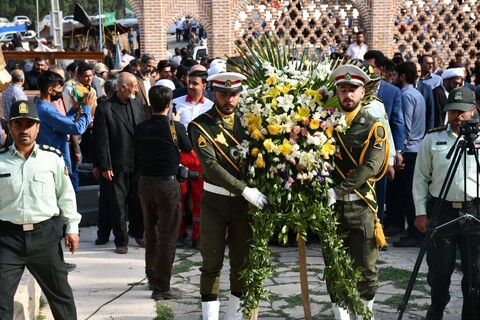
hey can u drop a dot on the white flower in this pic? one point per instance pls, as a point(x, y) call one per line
point(286, 102)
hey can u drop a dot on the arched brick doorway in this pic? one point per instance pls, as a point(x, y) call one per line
point(220, 18)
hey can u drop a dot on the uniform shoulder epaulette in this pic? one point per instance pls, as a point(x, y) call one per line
point(437, 129)
point(3, 150)
point(377, 98)
point(51, 149)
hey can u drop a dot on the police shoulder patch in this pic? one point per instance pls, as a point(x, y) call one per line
point(437, 129)
point(51, 149)
point(202, 142)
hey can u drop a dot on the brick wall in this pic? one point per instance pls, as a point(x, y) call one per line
point(389, 25)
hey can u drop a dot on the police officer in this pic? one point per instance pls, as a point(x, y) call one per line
point(362, 159)
point(215, 135)
point(35, 194)
point(430, 173)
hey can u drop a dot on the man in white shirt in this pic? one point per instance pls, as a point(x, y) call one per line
point(357, 49)
point(189, 107)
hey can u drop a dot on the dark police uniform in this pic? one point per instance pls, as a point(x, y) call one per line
point(430, 173)
point(160, 196)
point(35, 194)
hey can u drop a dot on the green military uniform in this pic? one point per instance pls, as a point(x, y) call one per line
point(222, 205)
point(33, 193)
point(362, 159)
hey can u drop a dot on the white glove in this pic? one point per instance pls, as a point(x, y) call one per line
point(255, 197)
point(332, 197)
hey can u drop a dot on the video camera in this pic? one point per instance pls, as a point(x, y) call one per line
point(185, 174)
point(469, 128)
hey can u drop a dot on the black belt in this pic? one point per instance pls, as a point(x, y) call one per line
point(458, 204)
point(158, 177)
point(25, 227)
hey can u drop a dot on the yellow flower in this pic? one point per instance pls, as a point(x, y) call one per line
point(260, 163)
point(285, 148)
point(314, 124)
point(314, 93)
point(257, 135)
point(285, 88)
point(271, 79)
point(269, 145)
point(303, 113)
point(254, 122)
point(255, 152)
point(273, 129)
point(328, 149)
point(272, 92)
point(328, 132)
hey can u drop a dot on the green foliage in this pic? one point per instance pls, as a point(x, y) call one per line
point(401, 277)
point(185, 266)
point(164, 312)
point(11, 8)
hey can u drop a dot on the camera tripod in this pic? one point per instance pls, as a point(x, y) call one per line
point(461, 149)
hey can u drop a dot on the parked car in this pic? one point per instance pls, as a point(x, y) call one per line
point(4, 22)
point(21, 20)
point(69, 19)
point(8, 36)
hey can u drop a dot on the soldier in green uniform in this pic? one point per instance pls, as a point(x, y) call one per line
point(361, 160)
point(215, 136)
point(35, 194)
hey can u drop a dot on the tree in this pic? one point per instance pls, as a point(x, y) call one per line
point(11, 8)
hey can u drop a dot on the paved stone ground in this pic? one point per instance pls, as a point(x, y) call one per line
point(111, 286)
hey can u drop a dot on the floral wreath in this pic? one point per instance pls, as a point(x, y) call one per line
point(290, 111)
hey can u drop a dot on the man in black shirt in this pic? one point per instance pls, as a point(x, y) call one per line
point(159, 190)
point(31, 77)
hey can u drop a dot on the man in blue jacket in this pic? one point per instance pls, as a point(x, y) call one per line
point(392, 100)
point(55, 126)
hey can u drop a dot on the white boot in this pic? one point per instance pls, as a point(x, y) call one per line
point(233, 312)
point(368, 305)
point(340, 313)
point(210, 310)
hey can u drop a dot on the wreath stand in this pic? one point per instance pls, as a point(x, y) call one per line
point(302, 263)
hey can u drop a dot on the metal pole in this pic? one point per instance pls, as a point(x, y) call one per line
point(38, 21)
point(100, 29)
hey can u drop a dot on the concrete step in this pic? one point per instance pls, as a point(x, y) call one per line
point(27, 298)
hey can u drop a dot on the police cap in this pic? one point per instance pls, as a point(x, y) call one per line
point(23, 109)
point(462, 99)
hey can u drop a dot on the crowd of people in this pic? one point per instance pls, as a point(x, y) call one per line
point(138, 124)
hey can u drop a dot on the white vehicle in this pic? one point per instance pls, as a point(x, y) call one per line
point(69, 19)
point(46, 20)
point(17, 20)
point(8, 36)
point(4, 22)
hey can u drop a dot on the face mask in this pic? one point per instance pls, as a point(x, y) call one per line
point(58, 95)
point(132, 96)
